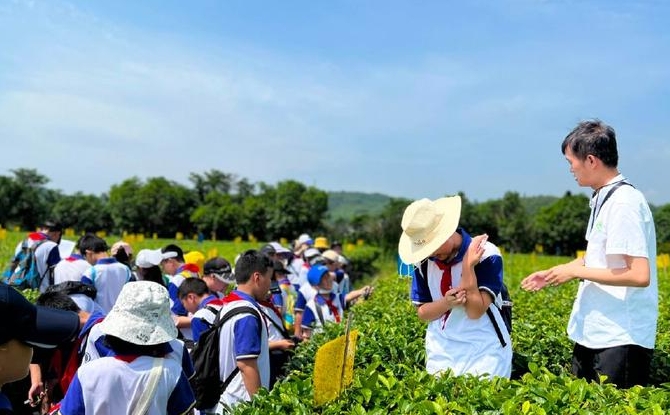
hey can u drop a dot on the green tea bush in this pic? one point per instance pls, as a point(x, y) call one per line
point(363, 261)
point(390, 376)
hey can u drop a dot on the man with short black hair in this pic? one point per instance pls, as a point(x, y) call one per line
point(614, 316)
point(241, 347)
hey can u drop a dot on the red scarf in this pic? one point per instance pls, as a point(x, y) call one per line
point(445, 284)
point(333, 309)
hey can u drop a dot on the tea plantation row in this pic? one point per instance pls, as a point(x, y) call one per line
point(389, 372)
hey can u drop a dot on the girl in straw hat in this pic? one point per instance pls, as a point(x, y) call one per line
point(456, 285)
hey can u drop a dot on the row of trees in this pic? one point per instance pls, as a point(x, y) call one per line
point(218, 205)
point(548, 224)
point(223, 206)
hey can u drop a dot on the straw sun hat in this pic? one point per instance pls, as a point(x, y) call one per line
point(141, 315)
point(426, 225)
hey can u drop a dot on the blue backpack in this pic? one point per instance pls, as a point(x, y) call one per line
point(23, 272)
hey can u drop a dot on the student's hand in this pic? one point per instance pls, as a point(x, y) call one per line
point(455, 297)
point(535, 281)
point(284, 344)
point(475, 251)
point(367, 291)
point(36, 393)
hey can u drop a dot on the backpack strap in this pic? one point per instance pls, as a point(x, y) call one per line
point(214, 312)
point(424, 268)
point(152, 384)
point(279, 327)
point(496, 327)
point(319, 313)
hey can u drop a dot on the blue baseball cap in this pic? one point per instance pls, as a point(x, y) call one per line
point(315, 274)
point(36, 325)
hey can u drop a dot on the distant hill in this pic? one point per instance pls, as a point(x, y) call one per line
point(346, 205)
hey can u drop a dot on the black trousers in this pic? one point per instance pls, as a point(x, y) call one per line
point(625, 366)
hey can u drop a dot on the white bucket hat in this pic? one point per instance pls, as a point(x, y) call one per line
point(141, 315)
point(427, 224)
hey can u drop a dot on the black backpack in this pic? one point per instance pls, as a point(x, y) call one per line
point(206, 380)
point(505, 310)
point(505, 313)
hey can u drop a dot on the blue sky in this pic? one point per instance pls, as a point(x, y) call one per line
point(410, 99)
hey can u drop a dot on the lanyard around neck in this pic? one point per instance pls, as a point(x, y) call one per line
point(596, 208)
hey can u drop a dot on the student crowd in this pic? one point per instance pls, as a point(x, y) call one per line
point(122, 326)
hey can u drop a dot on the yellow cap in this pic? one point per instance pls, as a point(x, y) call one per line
point(321, 243)
point(195, 257)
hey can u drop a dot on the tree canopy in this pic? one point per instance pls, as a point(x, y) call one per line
point(224, 206)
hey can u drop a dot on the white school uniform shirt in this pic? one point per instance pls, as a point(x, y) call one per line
point(236, 392)
point(70, 269)
point(459, 343)
point(308, 291)
point(124, 384)
point(310, 318)
point(295, 266)
point(108, 276)
point(607, 316)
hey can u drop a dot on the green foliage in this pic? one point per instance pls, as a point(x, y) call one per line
point(532, 204)
point(293, 206)
point(662, 221)
point(363, 262)
point(24, 199)
point(347, 205)
point(158, 206)
point(84, 212)
point(390, 378)
point(382, 230)
point(560, 227)
point(219, 216)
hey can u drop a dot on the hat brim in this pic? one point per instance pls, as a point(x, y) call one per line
point(138, 330)
point(52, 327)
point(411, 253)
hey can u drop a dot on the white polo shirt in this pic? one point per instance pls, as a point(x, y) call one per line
point(607, 316)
